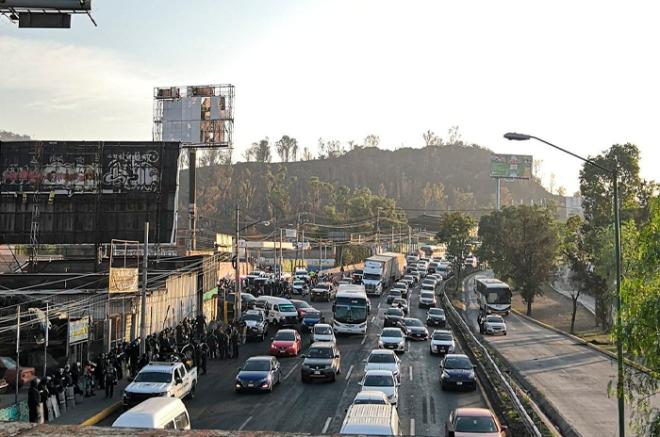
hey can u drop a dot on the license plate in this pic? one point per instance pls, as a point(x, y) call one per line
point(317, 372)
point(250, 385)
point(459, 383)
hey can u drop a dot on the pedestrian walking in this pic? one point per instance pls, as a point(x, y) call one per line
point(222, 345)
point(110, 377)
point(212, 341)
point(34, 401)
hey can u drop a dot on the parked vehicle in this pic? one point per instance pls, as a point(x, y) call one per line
point(322, 361)
point(279, 311)
point(8, 372)
point(371, 420)
point(259, 373)
point(392, 338)
point(442, 342)
point(323, 332)
point(457, 372)
point(384, 359)
point(393, 317)
point(436, 317)
point(414, 329)
point(256, 324)
point(322, 291)
point(471, 422)
point(155, 413)
point(287, 342)
point(381, 380)
point(161, 379)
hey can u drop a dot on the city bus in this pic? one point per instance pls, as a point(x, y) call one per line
point(494, 296)
point(350, 310)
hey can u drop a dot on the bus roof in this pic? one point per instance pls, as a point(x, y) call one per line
point(492, 283)
point(352, 292)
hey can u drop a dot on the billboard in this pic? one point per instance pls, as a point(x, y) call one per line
point(511, 166)
point(78, 330)
point(201, 115)
point(123, 280)
point(87, 192)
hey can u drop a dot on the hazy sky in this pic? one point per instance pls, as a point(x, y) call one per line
point(584, 74)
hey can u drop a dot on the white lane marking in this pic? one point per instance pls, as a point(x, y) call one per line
point(410, 372)
point(327, 424)
point(350, 370)
point(245, 423)
point(412, 426)
point(290, 372)
point(363, 339)
point(373, 319)
point(378, 307)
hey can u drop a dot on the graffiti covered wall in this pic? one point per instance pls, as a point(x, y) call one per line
point(87, 192)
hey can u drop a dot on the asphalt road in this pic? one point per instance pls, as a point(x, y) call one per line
point(573, 377)
point(320, 407)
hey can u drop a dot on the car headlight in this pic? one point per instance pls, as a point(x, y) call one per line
point(380, 343)
point(445, 375)
point(238, 384)
point(127, 395)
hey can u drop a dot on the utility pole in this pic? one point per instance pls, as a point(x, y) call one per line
point(237, 269)
point(46, 342)
point(143, 300)
point(409, 238)
point(378, 230)
point(18, 352)
point(392, 229)
point(499, 190)
point(281, 255)
point(192, 198)
point(302, 250)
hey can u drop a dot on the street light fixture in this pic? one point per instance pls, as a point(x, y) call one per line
point(614, 174)
point(237, 266)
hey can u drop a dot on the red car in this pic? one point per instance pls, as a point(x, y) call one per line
point(8, 372)
point(301, 306)
point(287, 342)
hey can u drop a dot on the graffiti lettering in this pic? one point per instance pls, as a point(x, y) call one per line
point(132, 171)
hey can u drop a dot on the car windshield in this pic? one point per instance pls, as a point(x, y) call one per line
point(256, 365)
point(382, 358)
point(436, 312)
point(8, 363)
point(495, 319)
point(427, 295)
point(295, 283)
point(287, 307)
point(400, 300)
point(323, 330)
point(458, 363)
point(153, 377)
point(408, 277)
point(300, 304)
point(285, 336)
point(412, 322)
point(371, 401)
point(395, 293)
point(392, 333)
point(475, 424)
point(394, 312)
point(311, 314)
point(379, 381)
point(442, 336)
point(320, 352)
point(255, 316)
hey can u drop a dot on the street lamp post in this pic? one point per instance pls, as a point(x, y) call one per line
point(614, 174)
point(237, 266)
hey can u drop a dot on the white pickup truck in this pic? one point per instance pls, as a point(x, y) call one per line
point(161, 379)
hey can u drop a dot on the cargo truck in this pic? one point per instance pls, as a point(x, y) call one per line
point(381, 271)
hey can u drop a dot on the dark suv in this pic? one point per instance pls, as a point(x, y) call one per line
point(393, 317)
point(322, 361)
point(322, 291)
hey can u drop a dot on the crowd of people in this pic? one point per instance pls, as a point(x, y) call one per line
point(192, 341)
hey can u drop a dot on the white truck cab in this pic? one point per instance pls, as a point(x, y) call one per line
point(161, 379)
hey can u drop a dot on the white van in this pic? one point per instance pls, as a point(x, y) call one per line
point(371, 419)
point(279, 311)
point(155, 413)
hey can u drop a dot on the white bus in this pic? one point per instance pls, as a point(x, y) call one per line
point(494, 296)
point(350, 310)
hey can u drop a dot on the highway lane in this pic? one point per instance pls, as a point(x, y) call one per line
point(573, 377)
point(320, 407)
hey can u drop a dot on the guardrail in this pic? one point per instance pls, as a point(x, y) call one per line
point(526, 420)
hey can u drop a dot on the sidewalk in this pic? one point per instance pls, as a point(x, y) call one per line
point(587, 301)
point(92, 406)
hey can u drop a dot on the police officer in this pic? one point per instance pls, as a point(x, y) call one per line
point(34, 401)
point(110, 377)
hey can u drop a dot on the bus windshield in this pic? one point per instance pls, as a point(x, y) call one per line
point(350, 314)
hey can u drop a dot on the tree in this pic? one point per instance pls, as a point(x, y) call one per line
point(640, 292)
point(575, 254)
point(287, 148)
point(454, 136)
point(261, 151)
point(371, 140)
point(455, 229)
point(11, 136)
point(431, 139)
point(307, 155)
point(521, 244)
